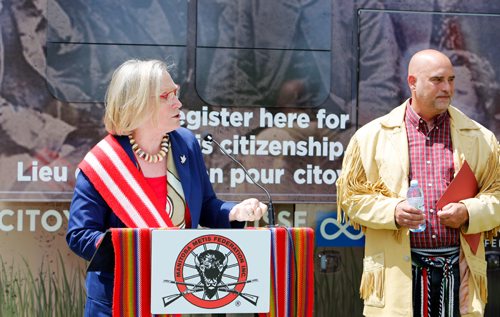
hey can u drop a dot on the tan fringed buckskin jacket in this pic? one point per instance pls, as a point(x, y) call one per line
point(374, 180)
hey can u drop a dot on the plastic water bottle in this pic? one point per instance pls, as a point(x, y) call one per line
point(415, 197)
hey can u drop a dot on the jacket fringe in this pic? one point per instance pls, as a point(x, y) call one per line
point(490, 235)
point(367, 285)
point(490, 185)
point(372, 283)
point(353, 183)
point(398, 234)
point(483, 289)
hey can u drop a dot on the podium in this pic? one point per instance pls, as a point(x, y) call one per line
point(287, 291)
point(199, 271)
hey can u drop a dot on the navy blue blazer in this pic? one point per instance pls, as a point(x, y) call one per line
point(90, 216)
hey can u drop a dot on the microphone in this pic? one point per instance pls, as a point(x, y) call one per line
point(270, 209)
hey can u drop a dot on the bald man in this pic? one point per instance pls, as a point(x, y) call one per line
point(437, 272)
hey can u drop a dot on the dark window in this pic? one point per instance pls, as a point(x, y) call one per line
point(88, 39)
point(263, 53)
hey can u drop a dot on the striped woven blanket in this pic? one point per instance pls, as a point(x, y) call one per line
point(132, 285)
point(292, 272)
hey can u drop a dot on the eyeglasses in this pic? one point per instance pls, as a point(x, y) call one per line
point(169, 95)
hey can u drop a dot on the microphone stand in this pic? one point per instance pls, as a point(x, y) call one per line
point(270, 209)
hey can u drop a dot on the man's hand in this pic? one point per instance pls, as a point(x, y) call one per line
point(454, 215)
point(408, 216)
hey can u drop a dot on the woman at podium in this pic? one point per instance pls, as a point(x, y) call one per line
point(148, 172)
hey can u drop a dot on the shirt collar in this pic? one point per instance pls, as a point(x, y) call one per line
point(415, 120)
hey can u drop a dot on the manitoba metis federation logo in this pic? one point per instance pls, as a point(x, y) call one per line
point(210, 272)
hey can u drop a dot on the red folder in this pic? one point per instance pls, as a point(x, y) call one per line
point(463, 186)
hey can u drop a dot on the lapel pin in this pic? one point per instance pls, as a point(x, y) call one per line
point(183, 158)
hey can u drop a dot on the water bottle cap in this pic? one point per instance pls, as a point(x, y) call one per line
point(414, 182)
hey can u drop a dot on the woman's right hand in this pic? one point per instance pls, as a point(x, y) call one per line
point(248, 210)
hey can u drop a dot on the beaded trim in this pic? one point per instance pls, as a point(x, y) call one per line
point(151, 158)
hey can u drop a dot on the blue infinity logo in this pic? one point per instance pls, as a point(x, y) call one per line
point(329, 233)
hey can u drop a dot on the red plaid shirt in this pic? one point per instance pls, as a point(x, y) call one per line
point(431, 163)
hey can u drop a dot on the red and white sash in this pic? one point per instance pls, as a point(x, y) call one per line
point(123, 186)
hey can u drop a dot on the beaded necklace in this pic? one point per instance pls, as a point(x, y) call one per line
point(151, 158)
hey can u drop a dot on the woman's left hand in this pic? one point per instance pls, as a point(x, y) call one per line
point(248, 210)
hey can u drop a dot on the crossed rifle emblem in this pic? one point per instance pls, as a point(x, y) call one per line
point(199, 287)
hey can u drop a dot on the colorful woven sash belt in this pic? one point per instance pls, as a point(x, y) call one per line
point(436, 281)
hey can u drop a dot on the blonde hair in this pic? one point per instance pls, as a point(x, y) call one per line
point(128, 97)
